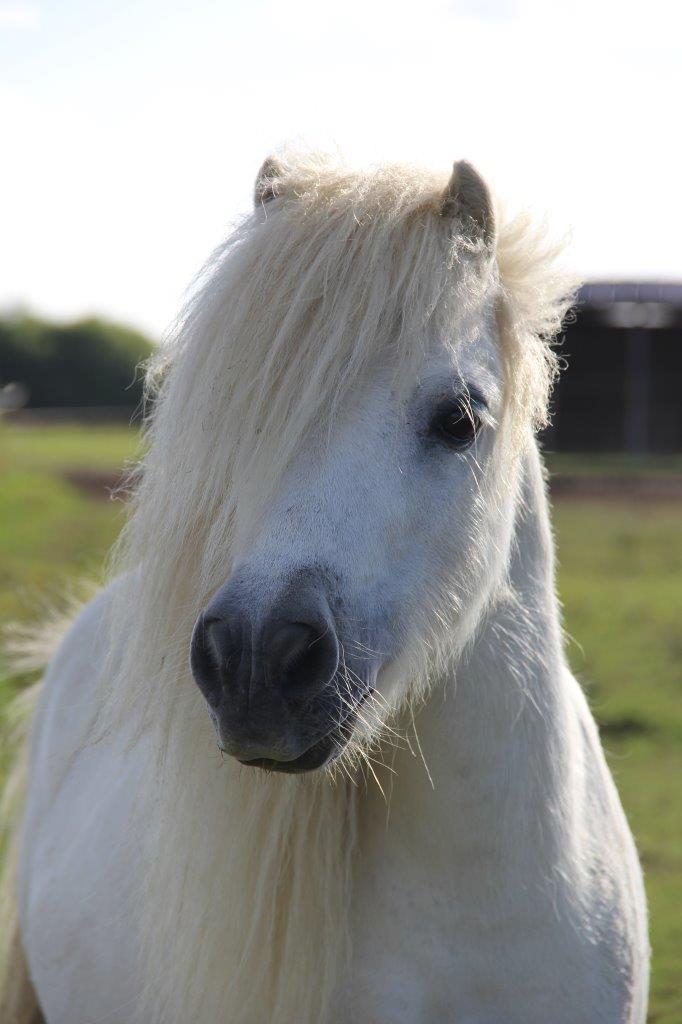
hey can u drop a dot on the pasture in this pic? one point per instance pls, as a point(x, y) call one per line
point(620, 564)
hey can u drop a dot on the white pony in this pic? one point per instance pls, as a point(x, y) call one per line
point(341, 521)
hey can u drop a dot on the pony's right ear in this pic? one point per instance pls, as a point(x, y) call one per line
point(267, 181)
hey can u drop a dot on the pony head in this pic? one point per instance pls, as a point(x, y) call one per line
point(329, 494)
point(387, 529)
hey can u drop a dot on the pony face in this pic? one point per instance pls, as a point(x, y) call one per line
point(327, 500)
point(378, 532)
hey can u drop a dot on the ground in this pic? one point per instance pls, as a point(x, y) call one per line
point(620, 565)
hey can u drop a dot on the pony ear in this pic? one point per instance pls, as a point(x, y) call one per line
point(267, 181)
point(467, 197)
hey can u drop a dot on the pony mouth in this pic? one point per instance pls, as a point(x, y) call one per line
point(321, 753)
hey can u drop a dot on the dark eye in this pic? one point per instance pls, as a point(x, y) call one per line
point(456, 424)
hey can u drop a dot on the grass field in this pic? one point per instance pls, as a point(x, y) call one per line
point(620, 578)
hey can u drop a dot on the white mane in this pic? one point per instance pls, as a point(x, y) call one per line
point(340, 270)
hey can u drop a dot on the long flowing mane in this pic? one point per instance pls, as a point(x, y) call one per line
point(246, 906)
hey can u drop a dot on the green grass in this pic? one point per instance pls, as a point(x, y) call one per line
point(54, 448)
point(50, 532)
point(619, 579)
point(620, 567)
point(616, 465)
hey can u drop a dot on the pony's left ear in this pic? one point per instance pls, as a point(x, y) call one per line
point(267, 181)
point(468, 198)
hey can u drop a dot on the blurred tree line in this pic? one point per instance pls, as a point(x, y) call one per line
point(87, 363)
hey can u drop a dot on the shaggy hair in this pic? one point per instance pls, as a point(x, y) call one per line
point(18, 1003)
point(250, 875)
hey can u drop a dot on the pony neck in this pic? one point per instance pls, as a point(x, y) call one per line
point(492, 732)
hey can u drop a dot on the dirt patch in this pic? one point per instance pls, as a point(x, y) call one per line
point(99, 484)
point(625, 725)
point(96, 484)
point(616, 488)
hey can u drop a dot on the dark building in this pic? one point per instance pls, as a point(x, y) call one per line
point(621, 389)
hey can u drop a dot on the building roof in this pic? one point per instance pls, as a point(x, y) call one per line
point(604, 293)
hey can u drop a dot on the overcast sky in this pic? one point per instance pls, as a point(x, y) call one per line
point(131, 132)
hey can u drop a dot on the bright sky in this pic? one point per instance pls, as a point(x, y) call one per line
point(132, 131)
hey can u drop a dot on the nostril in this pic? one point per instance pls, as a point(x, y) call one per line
point(302, 655)
point(204, 661)
point(295, 642)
